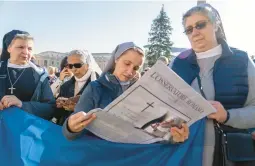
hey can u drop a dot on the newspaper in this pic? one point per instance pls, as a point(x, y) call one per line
point(144, 113)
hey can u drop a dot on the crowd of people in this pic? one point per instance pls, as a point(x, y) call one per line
point(223, 75)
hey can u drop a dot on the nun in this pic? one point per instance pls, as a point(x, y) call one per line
point(119, 74)
point(84, 70)
point(22, 83)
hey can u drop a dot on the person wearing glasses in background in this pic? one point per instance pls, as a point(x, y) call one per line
point(223, 75)
point(84, 70)
point(64, 76)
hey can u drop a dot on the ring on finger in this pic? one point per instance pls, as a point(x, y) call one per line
point(82, 125)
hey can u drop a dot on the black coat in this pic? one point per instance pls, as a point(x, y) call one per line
point(67, 91)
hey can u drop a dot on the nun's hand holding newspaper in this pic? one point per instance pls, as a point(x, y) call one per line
point(144, 113)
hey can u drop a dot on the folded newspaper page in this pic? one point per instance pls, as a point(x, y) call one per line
point(144, 113)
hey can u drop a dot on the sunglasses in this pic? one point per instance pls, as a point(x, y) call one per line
point(198, 26)
point(76, 65)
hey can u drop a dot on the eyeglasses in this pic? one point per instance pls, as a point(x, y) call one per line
point(198, 26)
point(76, 65)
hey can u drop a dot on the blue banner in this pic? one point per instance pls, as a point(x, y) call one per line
point(31, 141)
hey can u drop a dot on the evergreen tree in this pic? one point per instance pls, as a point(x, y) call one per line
point(159, 43)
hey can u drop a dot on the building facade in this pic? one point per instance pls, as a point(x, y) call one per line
point(101, 59)
point(51, 58)
point(175, 51)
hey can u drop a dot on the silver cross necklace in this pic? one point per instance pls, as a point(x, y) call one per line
point(12, 88)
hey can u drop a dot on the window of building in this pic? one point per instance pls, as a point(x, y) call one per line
point(45, 63)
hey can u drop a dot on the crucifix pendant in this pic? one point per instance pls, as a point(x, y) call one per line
point(11, 88)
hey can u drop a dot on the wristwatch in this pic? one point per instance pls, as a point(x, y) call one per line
point(228, 116)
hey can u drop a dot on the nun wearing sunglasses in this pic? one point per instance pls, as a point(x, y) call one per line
point(224, 75)
point(119, 74)
point(84, 69)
